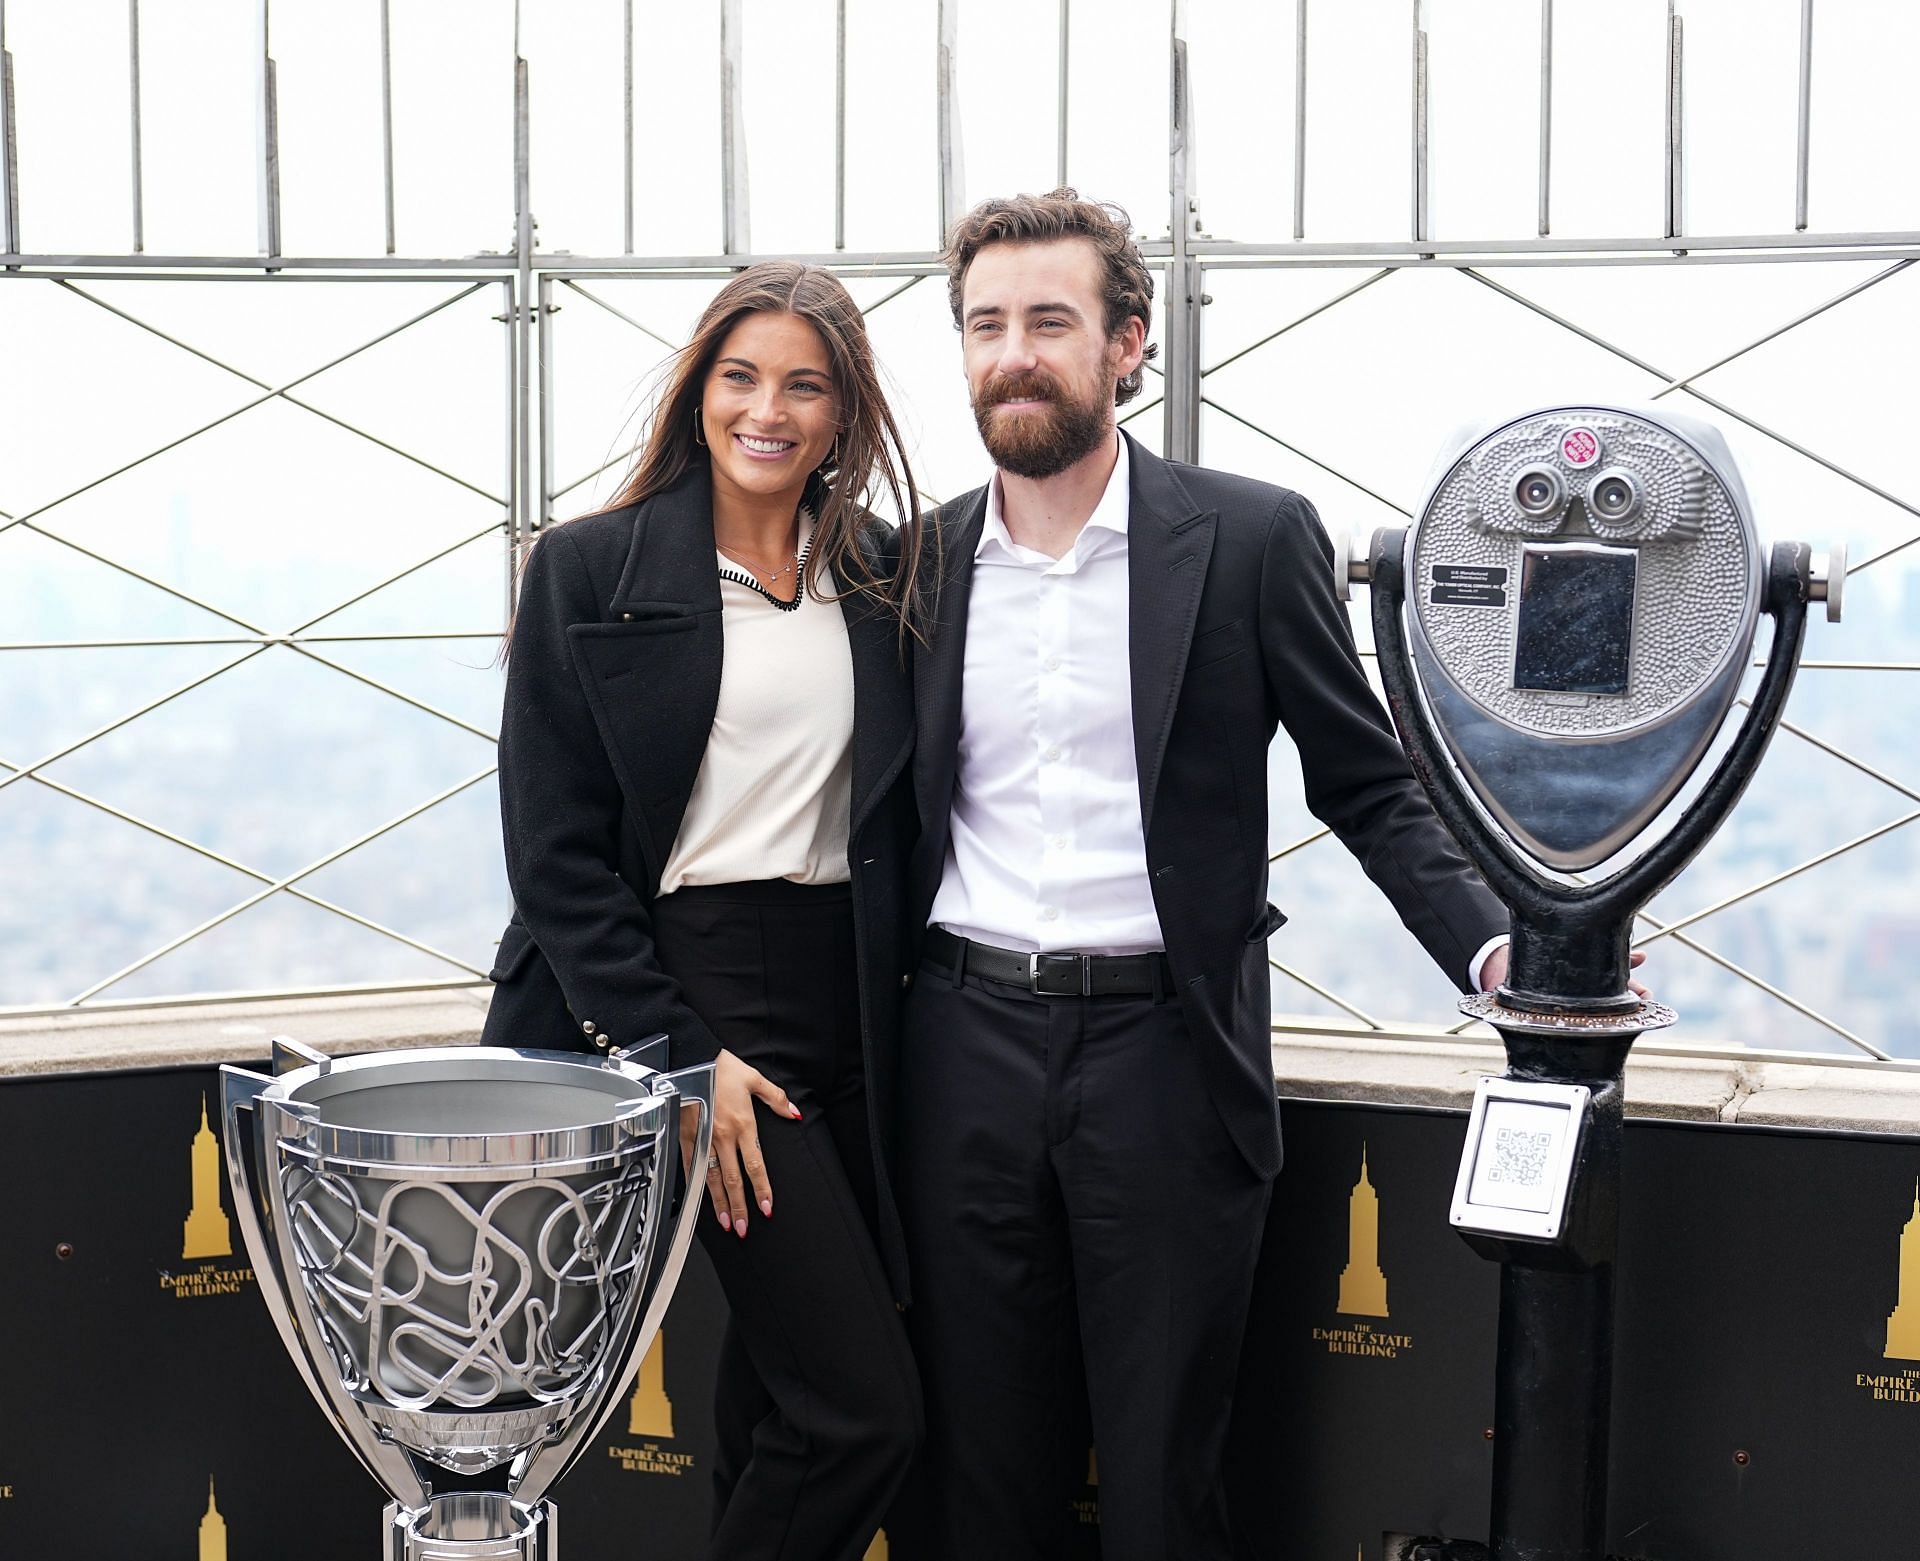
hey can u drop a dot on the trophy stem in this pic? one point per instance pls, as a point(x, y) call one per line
point(472, 1526)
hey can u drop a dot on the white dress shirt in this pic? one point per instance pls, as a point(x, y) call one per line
point(1047, 850)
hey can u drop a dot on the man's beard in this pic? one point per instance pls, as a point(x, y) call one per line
point(1040, 443)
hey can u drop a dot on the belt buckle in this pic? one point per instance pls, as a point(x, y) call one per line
point(1077, 968)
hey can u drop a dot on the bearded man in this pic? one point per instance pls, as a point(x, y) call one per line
point(1088, 1128)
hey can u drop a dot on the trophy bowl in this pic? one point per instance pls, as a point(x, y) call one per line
point(462, 1249)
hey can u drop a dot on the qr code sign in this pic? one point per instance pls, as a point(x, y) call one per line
point(1519, 1157)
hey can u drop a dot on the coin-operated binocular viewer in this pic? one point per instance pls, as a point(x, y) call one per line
point(1562, 632)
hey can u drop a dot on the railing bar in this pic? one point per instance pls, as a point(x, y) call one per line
point(134, 126)
point(839, 124)
point(175, 641)
point(1830, 749)
point(1338, 298)
point(543, 406)
point(205, 999)
point(237, 411)
point(1421, 125)
point(880, 303)
point(1332, 997)
point(267, 132)
point(1818, 309)
point(1400, 509)
point(1683, 922)
point(1717, 405)
point(1300, 844)
point(619, 314)
point(1134, 412)
point(1299, 120)
point(626, 161)
point(386, 120)
point(9, 147)
point(735, 207)
point(413, 568)
point(1061, 91)
point(1804, 144)
point(1546, 118)
point(392, 692)
point(291, 400)
point(132, 716)
point(1676, 189)
point(273, 888)
point(947, 110)
point(132, 573)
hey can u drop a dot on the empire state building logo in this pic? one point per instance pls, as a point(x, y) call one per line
point(1363, 1286)
point(1903, 1324)
point(213, 1531)
point(207, 1232)
point(650, 1413)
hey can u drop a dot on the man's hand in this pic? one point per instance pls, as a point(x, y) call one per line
point(736, 1162)
point(1495, 971)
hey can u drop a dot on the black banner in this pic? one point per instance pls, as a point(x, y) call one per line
point(1767, 1400)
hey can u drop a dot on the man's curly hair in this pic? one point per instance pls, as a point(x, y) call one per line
point(1061, 213)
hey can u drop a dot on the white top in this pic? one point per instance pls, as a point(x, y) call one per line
point(1047, 850)
point(775, 786)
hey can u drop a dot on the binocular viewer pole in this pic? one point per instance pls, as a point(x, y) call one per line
point(1568, 1019)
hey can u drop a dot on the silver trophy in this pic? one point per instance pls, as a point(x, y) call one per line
point(463, 1251)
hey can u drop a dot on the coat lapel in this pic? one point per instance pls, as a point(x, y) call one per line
point(1169, 541)
point(664, 622)
point(939, 666)
point(882, 705)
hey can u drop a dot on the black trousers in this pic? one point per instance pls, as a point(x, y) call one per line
point(1083, 1235)
point(817, 1404)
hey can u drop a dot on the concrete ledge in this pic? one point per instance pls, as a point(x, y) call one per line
point(190, 1034)
point(1408, 1069)
point(1402, 1068)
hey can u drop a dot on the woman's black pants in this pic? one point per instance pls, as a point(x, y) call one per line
point(817, 1406)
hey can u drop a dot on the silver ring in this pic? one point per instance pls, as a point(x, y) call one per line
point(713, 1162)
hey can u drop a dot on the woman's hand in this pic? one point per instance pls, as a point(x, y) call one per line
point(736, 1162)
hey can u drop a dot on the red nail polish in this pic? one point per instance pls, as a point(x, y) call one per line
point(794, 1112)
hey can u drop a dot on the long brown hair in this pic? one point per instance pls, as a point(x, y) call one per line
point(868, 459)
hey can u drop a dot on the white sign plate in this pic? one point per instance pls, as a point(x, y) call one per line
point(1517, 1170)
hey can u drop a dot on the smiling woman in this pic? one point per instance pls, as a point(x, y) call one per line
point(698, 848)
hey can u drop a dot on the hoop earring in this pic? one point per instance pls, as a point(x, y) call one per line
point(699, 435)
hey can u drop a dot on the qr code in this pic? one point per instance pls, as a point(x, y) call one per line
point(1519, 1157)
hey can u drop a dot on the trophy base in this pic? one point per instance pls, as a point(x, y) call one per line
point(472, 1526)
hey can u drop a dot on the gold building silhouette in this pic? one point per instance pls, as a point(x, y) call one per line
point(1093, 1466)
point(877, 1551)
point(651, 1412)
point(1903, 1323)
point(207, 1231)
point(1363, 1287)
point(213, 1530)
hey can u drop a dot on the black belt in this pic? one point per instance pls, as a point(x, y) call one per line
point(1052, 975)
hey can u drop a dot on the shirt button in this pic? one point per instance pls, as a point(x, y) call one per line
point(1049, 913)
point(1051, 752)
point(1056, 842)
point(1051, 664)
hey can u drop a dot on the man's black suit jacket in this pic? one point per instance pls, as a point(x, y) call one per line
point(1235, 629)
point(612, 683)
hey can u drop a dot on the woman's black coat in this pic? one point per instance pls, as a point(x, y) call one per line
point(612, 682)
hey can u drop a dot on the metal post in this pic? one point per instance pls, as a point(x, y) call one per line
point(544, 407)
point(1183, 275)
point(1676, 124)
point(521, 495)
point(133, 106)
point(946, 93)
point(1806, 117)
point(1422, 125)
point(386, 116)
point(734, 206)
point(267, 134)
point(1300, 120)
point(1546, 116)
point(1060, 162)
point(626, 146)
point(511, 444)
point(9, 149)
point(840, 124)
